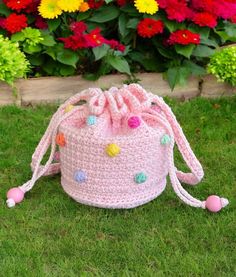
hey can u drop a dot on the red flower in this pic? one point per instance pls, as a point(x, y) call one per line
point(121, 2)
point(183, 37)
point(18, 4)
point(15, 23)
point(78, 28)
point(74, 42)
point(233, 19)
point(95, 4)
point(224, 8)
point(32, 7)
point(40, 23)
point(205, 19)
point(162, 3)
point(94, 38)
point(178, 10)
point(149, 27)
point(114, 44)
point(121, 47)
point(2, 22)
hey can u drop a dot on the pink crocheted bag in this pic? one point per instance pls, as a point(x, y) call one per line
point(116, 151)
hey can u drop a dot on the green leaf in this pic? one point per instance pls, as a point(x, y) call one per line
point(49, 66)
point(4, 10)
point(68, 57)
point(66, 70)
point(195, 69)
point(30, 49)
point(149, 61)
point(230, 29)
point(53, 51)
point(209, 42)
point(53, 24)
point(132, 23)
point(122, 22)
point(19, 36)
point(173, 25)
point(48, 40)
point(130, 9)
point(166, 53)
point(119, 63)
point(202, 31)
point(3, 32)
point(177, 76)
point(36, 60)
point(105, 14)
point(203, 51)
point(83, 15)
point(108, 1)
point(91, 76)
point(100, 52)
point(173, 76)
point(129, 37)
point(186, 50)
point(184, 73)
point(224, 36)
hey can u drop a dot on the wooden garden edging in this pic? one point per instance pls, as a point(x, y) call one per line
point(57, 89)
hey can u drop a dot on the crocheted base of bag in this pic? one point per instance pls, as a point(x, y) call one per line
point(115, 201)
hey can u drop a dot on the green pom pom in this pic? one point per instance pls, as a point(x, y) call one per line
point(140, 178)
point(166, 139)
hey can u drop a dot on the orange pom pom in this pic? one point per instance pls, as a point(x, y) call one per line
point(60, 139)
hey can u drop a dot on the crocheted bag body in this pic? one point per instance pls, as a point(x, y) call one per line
point(116, 151)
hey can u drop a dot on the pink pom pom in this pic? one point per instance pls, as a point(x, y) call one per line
point(16, 194)
point(213, 203)
point(134, 122)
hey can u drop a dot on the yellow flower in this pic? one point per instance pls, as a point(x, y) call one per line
point(49, 9)
point(84, 7)
point(70, 5)
point(146, 6)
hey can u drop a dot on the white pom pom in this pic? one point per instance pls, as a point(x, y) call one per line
point(224, 202)
point(10, 203)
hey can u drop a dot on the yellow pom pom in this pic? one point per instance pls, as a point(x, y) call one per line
point(69, 108)
point(112, 150)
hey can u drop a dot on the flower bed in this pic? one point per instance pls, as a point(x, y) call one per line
point(98, 37)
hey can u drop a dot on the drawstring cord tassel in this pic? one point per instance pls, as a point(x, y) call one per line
point(16, 195)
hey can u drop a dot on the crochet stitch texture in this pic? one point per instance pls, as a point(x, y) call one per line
point(116, 150)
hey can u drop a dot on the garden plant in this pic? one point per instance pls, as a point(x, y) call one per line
point(223, 65)
point(97, 37)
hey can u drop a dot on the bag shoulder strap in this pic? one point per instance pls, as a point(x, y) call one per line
point(196, 173)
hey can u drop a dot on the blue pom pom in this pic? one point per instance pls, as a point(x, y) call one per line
point(80, 176)
point(140, 178)
point(91, 120)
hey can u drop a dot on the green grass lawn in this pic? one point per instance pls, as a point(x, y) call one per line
point(49, 234)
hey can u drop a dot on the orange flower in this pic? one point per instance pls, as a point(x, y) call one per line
point(84, 7)
point(60, 139)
